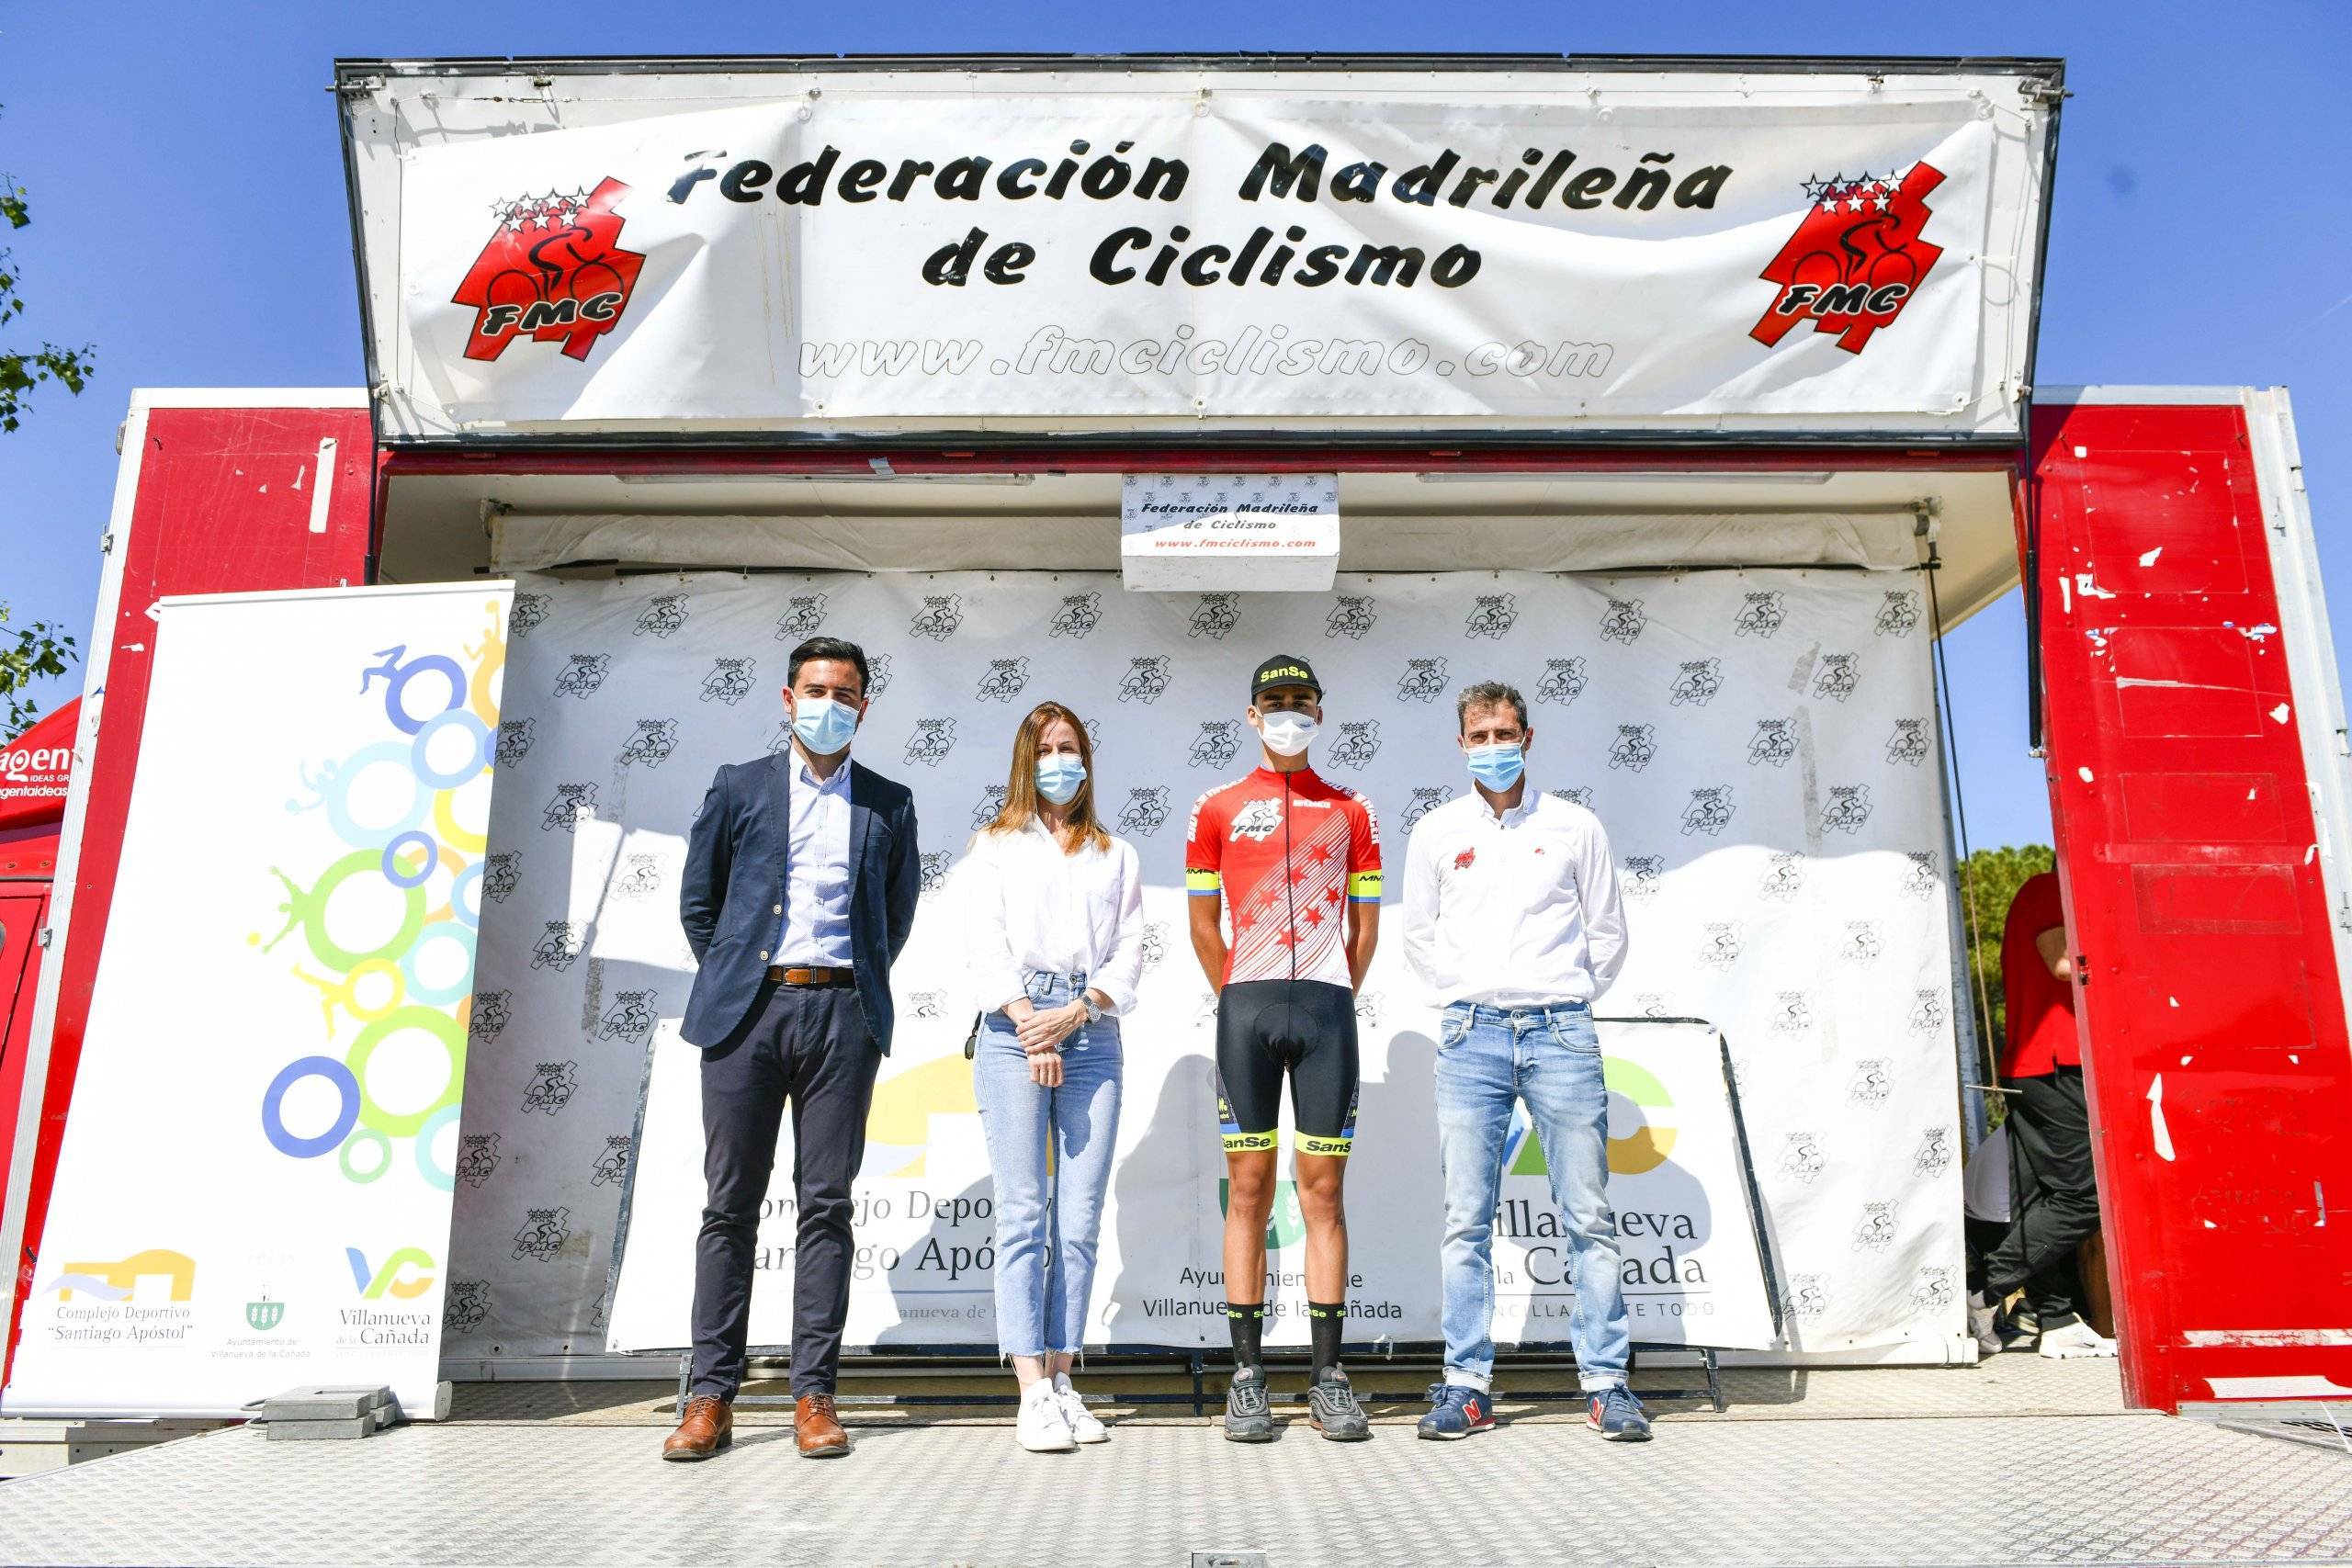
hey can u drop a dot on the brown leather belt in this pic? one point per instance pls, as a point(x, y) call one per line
point(815, 977)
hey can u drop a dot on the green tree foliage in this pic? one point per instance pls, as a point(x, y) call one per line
point(1989, 884)
point(27, 654)
point(22, 369)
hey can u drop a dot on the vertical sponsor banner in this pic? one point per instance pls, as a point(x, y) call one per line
point(254, 1186)
point(1757, 745)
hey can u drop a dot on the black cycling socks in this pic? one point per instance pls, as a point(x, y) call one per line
point(1247, 1322)
point(1324, 1324)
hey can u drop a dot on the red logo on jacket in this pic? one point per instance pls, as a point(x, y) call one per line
point(1856, 260)
point(554, 270)
point(1464, 861)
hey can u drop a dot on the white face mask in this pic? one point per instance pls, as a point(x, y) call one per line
point(1286, 734)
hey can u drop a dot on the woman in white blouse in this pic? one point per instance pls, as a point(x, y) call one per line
point(1053, 908)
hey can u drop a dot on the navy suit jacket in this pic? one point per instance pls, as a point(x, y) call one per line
point(735, 878)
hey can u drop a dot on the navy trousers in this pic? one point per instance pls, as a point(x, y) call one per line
point(808, 1048)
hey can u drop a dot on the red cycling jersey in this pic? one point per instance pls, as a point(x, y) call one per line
point(1287, 850)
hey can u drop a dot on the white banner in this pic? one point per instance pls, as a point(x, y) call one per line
point(1760, 745)
point(1607, 250)
point(254, 1186)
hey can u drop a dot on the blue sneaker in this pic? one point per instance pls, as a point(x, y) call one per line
point(1617, 1415)
point(1457, 1411)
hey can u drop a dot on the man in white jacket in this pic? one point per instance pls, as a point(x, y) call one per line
point(1512, 916)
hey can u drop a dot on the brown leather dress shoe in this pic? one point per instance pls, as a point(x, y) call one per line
point(815, 1430)
point(708, 1427)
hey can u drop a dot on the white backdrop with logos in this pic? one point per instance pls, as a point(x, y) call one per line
point(1759, 744)
point(254, 1186)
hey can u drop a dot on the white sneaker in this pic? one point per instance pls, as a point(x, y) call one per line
point(1041, 1428)
point(1083, 1427)
point(2076, 1341)
point(1981, 1314)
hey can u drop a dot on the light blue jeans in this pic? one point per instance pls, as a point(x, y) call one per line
point(1049, 1151)
point(1550, 1058)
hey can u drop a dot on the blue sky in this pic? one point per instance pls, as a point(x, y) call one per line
point(189, 220)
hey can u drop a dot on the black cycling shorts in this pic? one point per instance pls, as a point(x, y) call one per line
point(1306, 1028)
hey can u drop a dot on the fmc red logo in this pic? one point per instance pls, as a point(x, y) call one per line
point(555, 270)
point(1856, 260)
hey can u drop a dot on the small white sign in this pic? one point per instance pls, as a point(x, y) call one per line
point(1209, 533)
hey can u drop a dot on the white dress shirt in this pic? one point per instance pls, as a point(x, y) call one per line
point(815, 928)
point(1519, 910)
point(1030, 908)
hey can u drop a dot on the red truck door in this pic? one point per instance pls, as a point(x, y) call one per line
point(23, 908)
point(219, 491)
point(2195, 749)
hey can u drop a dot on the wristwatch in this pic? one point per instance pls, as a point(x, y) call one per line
point(1086, 1000)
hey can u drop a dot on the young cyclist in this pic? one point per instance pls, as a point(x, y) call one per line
point(1291, 862)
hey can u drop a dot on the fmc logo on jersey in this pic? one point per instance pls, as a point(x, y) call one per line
point(554, 270)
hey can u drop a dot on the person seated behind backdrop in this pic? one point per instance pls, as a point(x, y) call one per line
point(2053, 1197)
point(1053, 926)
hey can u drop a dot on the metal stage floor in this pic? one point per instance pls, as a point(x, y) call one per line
point(2018, 1462)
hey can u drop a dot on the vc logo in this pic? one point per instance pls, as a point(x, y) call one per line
point(404, 1275)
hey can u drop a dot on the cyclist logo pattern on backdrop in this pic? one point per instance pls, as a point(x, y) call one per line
point(1163, 694)
point(583, 675)
point(1145, 811)
point(1898, 614)
point(572, 805)
point(1563, 681)
point(1215, 616)
point(1623, 621)
point(1633, 749)
point(1215, 746)
point(551, 1087)
point(1146, 680)
point(1710, 811)
point(1908, 744)
point(1424, 801)
point(489, 1017)
point(1351, 617)
point(1847, 809)
point(1423, 681)
point(1358, 744)
point(663, 618)
point(554, 270)
point(1760, 615)
point(514, 741)
point(1696, 684)
point(612, 1166)
point(477, 1158)
point(1004, 680)
point(1492, 615)
point(804, 618)
point(652, 743)
point(941, 614)
point(1079, 614)
point(730, 681)
point(931, 742)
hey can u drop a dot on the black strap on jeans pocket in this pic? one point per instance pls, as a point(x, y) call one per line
point(972, 1040)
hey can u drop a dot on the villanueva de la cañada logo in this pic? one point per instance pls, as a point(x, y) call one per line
point(1855, 259)
point(553, 270)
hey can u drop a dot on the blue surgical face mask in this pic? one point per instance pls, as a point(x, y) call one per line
point(1497, 767)
point(1059, 777)
point(823, 725)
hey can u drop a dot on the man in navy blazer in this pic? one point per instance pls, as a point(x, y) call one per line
point(800, 884)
